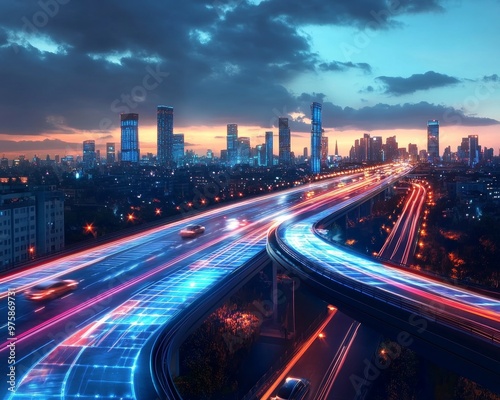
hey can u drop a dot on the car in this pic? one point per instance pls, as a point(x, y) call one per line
point(192, 231)
point(51, 289)
point(235, 223)
point(293, 389)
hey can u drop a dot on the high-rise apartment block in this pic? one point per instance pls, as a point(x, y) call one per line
point(324, 149)
point(474, 150)
point(32, 225)
point(165, 135)
point(284, 139)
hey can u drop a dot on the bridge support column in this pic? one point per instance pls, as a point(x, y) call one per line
point(175, 364)
point(275, 292)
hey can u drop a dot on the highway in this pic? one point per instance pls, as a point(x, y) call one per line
point(334, 376)
point(87, 344)
point(400, 242)
point(342, 274)
point(330, 357)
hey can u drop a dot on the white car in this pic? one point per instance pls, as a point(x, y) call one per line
point(192, 231)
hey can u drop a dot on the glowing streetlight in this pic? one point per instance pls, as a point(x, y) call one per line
point(89, 228)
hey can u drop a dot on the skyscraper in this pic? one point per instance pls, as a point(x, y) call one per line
point(284, 141)
point(463, 149)
point(177, 147)
point(269, 149)
point(413, 152)
point(316, 131)
point(130, 138)
point(110, 153)
point(324, 149)
point(391, 148)
point(89, 156)
point(165, 132)
point(473, 150)
point(243, 156)
point(232, 143)
point(376, 149)
point(433, 140)
point(260, 156)
point(365, 147)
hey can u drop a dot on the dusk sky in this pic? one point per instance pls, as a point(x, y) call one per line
point(69, 67)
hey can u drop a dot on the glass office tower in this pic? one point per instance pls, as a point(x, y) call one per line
point(232, 143)
point(316, 133)
point(269, 149)
point(433, 140)
point(89, 154)
point(284, 155)
point(130, 138)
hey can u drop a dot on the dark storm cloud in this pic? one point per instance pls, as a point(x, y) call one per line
point(399, 86)
point(343, 66)
point(388, 117)
point(377, 13)
point(236, 74)
point(408, 115)
point(215, 62)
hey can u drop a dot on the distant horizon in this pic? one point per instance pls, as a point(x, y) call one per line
point(299, 141)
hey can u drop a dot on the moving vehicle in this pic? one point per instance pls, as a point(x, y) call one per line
point(192, 231)
point(51, 289)
point(293, 389)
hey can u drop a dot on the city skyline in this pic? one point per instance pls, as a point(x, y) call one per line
point(228, 68)
point(367, 148)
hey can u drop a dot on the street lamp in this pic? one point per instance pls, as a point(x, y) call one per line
point(89, 228)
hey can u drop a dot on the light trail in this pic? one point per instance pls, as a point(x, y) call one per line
point(298, 356)
point(299, 239)
point(25, 279)
point(405, 228)
point(100, 359)
point(337, 362)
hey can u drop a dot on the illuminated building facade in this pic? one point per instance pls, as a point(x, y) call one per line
point(284, 155)
point(130, 138)
point(165, 135)
point(433, 140)
point(316, 133)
